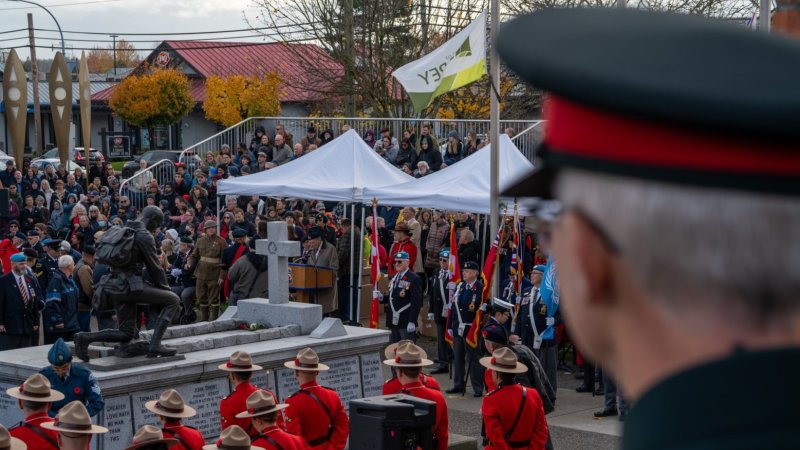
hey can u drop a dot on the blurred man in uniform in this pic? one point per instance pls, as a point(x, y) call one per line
point(315, 412)
point(34, 398)
point(240, 369)
point(150, 437)
point(9, 442)
point(263, 411)
point(408, 362)
point(75, 381)
point(439, 303)
point(207, 262)
point(677, 237)
point(513, 416)
point(74, 427)
point(171, 410)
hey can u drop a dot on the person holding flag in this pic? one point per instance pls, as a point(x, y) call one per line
point(466, 303)
point(375, 263)
point(439, 302)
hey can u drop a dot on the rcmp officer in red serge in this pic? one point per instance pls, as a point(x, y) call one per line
point(315, 412)
point(263, 411)
point(34, 398)
point(393, 385)
point(404, 301)
point(171, 410)
point(513, 416)
point(408, 362)
point(240, 368)
point(679, 181)
point(150, 437)
point(466, 301)
point(20, 303)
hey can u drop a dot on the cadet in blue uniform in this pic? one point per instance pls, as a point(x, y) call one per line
point(678, 239)
point(61, 303)
point(462, 313)
point(75, 381)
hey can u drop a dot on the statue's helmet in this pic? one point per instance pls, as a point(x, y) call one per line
point(152, 217)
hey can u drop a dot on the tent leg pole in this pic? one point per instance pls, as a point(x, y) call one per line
point(360, 268)
point(352, 256)
point(218, 230)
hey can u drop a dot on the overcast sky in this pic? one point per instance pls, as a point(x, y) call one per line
point(120, 17)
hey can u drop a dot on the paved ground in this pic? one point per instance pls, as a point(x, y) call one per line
point(572, 425)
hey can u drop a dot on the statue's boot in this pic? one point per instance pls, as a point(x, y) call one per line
point(202, 313)
point(156, 349)
point(83, 340)
point(213, 313)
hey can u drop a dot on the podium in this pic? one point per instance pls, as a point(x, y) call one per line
point(308, 280)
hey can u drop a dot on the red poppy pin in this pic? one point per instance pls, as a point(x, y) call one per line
point(76, 390)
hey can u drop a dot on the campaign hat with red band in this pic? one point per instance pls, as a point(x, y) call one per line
point(659, 96)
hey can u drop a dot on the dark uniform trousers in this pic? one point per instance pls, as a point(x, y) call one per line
point(465, 358)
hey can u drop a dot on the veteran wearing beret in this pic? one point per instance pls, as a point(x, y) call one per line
point(678, 232)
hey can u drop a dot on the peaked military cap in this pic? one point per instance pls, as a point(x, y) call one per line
point(659, 96)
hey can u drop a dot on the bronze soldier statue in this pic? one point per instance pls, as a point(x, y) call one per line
point(125, 287)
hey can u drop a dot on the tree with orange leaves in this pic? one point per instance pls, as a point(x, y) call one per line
point(230, 100)
point(159, 97)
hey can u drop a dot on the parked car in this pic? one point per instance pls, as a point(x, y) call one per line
point(76, 154)
point(3, 158)
point(42, 163)
point(154, 156)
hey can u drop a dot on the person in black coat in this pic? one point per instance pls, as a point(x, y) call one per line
point(404, 300)
point(430, 154)
point(21, 301)
point(439, 297)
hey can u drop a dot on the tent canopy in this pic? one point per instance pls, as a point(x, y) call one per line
point(338, 171)
point(461, 187)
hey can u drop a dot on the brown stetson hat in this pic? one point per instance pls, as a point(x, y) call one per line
point(307, 360)
point(36, 389)
point(402, 226)
point(240, 362)
point(150, 435)
point(260, 403)
point(74, 418)
point(409, 355)
point(391, 349)
point(8, 442)
point(233, 438)
point(503, 360)
point(170, 404)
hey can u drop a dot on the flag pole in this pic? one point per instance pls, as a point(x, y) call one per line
point(494, 128)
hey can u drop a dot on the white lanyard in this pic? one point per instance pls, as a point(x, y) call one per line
point(534, 294)
point(444, 275)
point(396, 312)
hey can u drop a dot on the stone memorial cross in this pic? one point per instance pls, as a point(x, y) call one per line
point(278, 249)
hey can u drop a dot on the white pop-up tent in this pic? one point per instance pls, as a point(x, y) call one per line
point(338, 171)
point(463, 186)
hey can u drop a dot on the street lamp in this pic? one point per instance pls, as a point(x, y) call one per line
point(63, 51)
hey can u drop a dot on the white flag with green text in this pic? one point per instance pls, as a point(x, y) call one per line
point(458, 62)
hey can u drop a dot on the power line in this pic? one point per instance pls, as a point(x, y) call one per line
point(61, 4)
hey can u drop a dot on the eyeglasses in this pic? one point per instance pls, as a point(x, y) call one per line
point(444, 260)
point(398, 262)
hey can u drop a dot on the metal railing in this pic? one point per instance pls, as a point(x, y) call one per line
point(525, 132)
point(137, 187)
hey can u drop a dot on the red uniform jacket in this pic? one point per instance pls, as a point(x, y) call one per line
point(393, 386)
point(236, 403)
point(25, 432)
point(187, 435)
point(500, 408)
point(403, 246)
point(440, 432)
point(285, 440)
point(307, 418)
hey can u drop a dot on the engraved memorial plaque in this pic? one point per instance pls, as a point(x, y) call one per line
point(117, 417)
point(371, 374)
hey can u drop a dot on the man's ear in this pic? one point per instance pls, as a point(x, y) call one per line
point(592, 257)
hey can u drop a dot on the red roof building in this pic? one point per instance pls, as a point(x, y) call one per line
point(202, 59)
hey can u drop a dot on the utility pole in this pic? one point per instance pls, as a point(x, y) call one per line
point(37, 110)
point(350, 105)
point(494, 137)
point(114, 49)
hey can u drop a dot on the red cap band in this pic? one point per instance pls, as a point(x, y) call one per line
point(584, 131)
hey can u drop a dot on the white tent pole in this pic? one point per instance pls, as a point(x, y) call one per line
point(360, 268)
point(218, 229)
point(352, 255)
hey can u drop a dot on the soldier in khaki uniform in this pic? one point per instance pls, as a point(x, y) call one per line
point(210, 274)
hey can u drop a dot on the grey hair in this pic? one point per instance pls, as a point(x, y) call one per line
point(692, 246)
point(65, 261)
